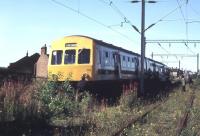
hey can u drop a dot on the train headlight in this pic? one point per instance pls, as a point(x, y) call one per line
point(85, 76)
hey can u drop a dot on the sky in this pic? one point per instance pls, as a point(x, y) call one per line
point(26, 25)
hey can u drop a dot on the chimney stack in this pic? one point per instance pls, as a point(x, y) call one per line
point(27, 53)
point(44, 50)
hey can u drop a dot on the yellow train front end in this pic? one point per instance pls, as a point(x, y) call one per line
point(71, 58)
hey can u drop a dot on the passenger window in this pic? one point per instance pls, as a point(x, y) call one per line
point(84, 56)
point(124, 61)
point(123, 58)
point(56, 57)
point(100, 56)
point(106, 54)
point(106, 58)
point(132, 60)
point(132, 63)
point(70, 56)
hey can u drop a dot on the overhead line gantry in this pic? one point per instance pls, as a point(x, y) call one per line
point(173, 41)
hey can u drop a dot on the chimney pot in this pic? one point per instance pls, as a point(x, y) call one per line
point(44, 50)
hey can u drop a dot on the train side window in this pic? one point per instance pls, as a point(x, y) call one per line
point(128, 61)
point(132, 62)
point(124, 58)
point(124, 61)
point(84, 56)
point(56, 57)
point(106, 54)
point(100, 56)
point(107, 58)
point(70, 56)
point(113, 59)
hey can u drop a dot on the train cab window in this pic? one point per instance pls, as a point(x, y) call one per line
point(84, 56)
point(70, 56)
point(56, 57)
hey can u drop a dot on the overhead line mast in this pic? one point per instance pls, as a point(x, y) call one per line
point(142, 91)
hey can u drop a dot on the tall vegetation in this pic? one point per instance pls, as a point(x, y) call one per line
point(40, 99)
point(18, 101)
point(60, 99)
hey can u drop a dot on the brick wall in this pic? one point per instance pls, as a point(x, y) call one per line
point(42, 64)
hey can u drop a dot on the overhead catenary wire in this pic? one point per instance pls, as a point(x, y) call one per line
point(163, 17)
point(119, 12)
point(166, 50)
point(184, 18)
point(169, 54)
point(176, 20)
point(181, 11)
point(163, 48)
point(186, 22)
point(186, 44)
point(195, 11)
point(179, 7)
point(91, 18)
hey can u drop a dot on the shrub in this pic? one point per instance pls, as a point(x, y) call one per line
point(59, 98)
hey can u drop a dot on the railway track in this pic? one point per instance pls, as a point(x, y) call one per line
point(183, 120)
point(137, 118)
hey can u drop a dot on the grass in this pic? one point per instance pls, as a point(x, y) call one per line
point(162, 121)
point(193, 123)
point(18, 101)
point(111, 119)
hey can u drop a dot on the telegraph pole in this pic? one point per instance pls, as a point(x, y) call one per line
point(142, 49)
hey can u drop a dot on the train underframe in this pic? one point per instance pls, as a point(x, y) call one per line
point(113, 89)
point(108, 89)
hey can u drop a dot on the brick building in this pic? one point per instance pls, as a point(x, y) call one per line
point(23, 68)
point(26, 68)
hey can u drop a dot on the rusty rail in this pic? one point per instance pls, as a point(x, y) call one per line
point(183, 120)
point(134, 120)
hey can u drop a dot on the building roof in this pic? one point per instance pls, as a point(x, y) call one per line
point(24, 64)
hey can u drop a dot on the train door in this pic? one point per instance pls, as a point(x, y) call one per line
point(117, 64)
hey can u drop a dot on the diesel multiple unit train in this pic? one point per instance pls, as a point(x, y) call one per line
point(97, 62)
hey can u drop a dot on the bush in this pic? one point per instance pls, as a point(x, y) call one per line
point(60, 99)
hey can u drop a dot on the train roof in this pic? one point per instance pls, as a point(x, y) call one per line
point(115, 47)
point(106, 44)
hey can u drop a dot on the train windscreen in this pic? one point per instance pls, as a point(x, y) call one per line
point(70, 56)
point(56, 57)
